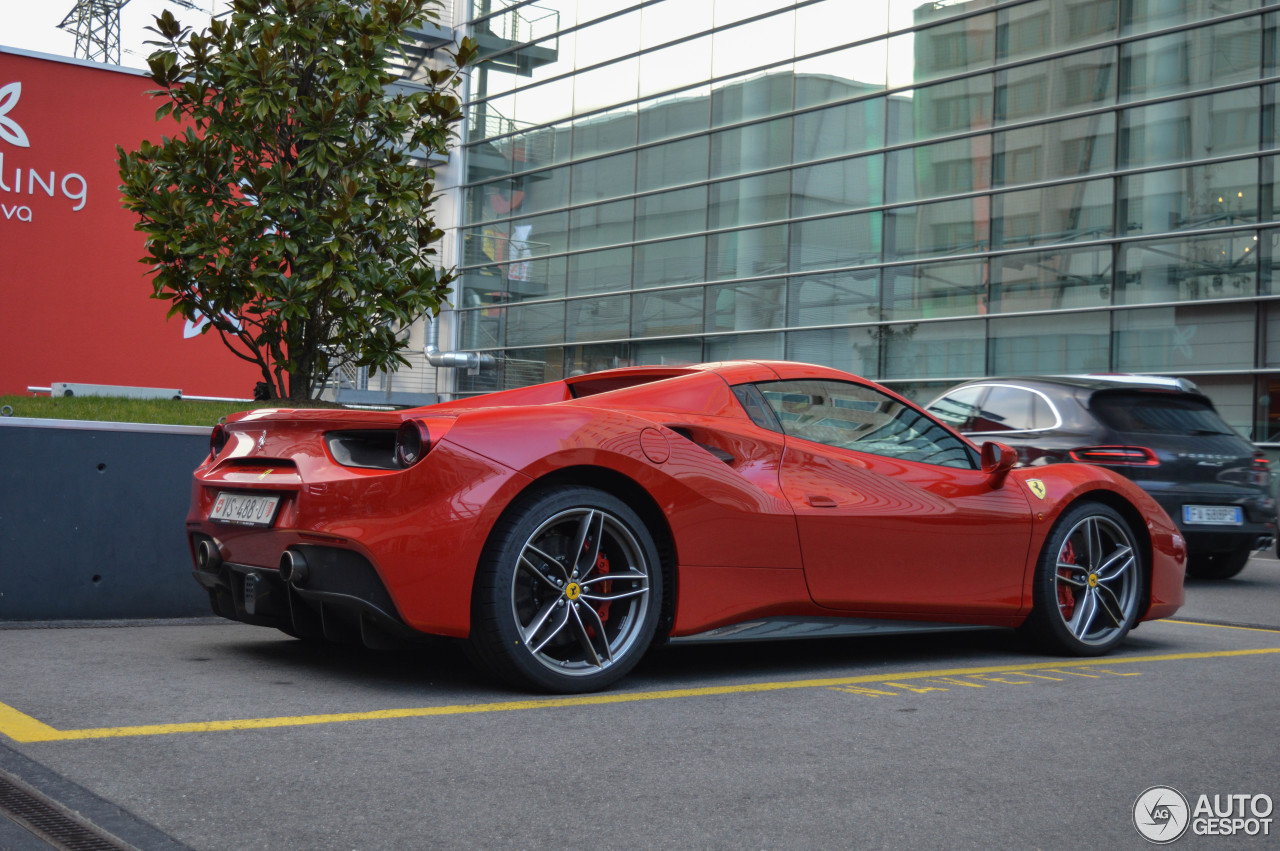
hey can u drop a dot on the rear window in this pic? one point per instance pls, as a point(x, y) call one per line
point(1158, 413)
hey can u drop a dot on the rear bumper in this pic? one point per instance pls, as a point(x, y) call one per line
point(341, 598)
point(1258, 530)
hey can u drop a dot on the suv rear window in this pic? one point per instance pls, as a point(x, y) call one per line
point(1158, 413)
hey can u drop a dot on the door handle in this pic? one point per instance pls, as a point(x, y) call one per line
point(818, 501)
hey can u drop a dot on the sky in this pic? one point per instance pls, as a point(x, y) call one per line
point(33, 25)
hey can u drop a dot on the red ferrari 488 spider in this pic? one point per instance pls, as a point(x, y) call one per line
point(564, 528)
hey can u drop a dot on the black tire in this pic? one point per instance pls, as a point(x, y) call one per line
point(1217, 565)
point(1088, 583)
point(542, 619)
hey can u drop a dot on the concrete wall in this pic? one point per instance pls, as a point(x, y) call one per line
point(92, 520)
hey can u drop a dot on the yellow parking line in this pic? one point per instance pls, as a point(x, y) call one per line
point(1219, 625)
point(24, 728)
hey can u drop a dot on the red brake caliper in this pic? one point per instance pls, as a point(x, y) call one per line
point(602, 566)
point(1066, 594)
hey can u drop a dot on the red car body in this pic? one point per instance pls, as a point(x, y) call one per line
point(750, 523)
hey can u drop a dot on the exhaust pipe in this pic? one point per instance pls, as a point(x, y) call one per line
point(293, 568)
point(208, 557)
point(1265, 542)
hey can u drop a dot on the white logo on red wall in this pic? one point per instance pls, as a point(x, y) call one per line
point(10, 130)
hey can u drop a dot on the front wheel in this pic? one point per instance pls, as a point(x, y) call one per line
point(1088, 583)
point(567, 592)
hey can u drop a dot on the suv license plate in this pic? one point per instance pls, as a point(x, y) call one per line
point(1213, 515)
point(245, 509)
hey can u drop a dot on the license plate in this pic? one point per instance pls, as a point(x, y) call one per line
point(1213, 515)
point(245, 509)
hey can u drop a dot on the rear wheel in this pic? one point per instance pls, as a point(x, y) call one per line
point(1217, 565)
point(567, 593)
point(1088, 583)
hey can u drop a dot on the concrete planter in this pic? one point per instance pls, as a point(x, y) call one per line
point(92, 520)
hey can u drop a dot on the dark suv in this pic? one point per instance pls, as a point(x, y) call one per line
point(1162, 433)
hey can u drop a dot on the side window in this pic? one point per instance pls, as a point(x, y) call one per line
point(1006, 409)
point(958, 409)
point(853, 416)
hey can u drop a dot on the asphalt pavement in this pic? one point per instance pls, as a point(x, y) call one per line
point(213, 735)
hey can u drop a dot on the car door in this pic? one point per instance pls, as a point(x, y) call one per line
point(893, 513)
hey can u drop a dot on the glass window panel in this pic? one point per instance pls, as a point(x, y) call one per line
point(677, 261)
point(947, 227)
point(1209, 56)
point(729, 11)
point(747, 253)
point(749, 200)
point(1200, 197)
point(935, 349)
point(580, 360)
point(1138, 16)
point(751, 148)
point(607, 177)
point(606, 85)
point(1269, 283)
point(909, 13)
point(666, 351)
point(672, 164)
point(746, 307)
point(674, 67)
point(671, 19)
point(944, 168)
point(603, 224)
point(745, 347)
point(549, 231)
point(1065, 213)
point(1046, 89)
point(942, 50)
point(534, 324)
point(1048, 26)
point(535, 192)
point(831, 23)
point(604, 133)
point(600, 271)
point(840, 131)
point(837, 186)
point(751, 98)
point(598, 318)
point(1217, 266)
point(667, 312)
point(851, 297)
point(1210, 126)
point(1189, 337)
point(849, 240)
point(671, 213)
point(751, 45)
point(481, 329)
point(935, 289)
point(942, 109)
point(1051, 280)
point(675, 115)
point(1048, 345)
point(849, 73)
point(1068, 148)
point(608, 38)
point(855, 350)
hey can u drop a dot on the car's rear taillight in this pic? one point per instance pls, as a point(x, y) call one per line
point(217, 440)
point(413, 441)
point(1260, 474)
point(1116, 456)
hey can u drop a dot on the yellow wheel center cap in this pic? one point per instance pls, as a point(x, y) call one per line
point(1093, 580)
point(573, 590)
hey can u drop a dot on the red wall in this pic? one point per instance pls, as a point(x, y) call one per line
point(74, 300)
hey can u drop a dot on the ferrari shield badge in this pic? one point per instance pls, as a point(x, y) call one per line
point(1037, 487)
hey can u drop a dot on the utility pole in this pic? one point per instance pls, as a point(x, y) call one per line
point(96, 25)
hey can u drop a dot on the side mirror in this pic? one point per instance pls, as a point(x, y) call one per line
point(997, 460)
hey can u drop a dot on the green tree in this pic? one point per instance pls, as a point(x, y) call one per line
point(291, 207)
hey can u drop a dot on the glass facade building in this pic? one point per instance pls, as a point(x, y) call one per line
point(919, 193)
